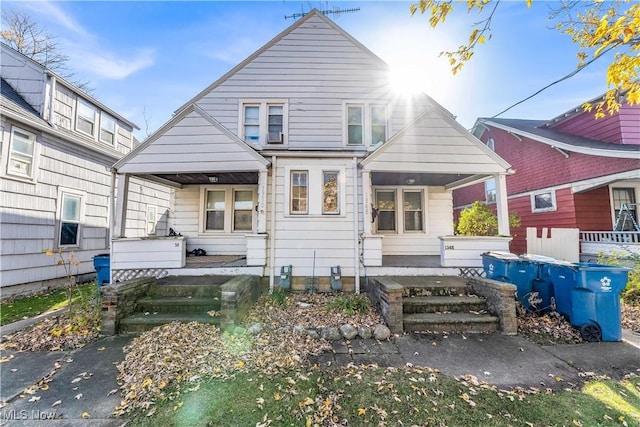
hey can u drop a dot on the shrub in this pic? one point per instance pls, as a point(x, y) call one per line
point(631, 293)
point(278, 296)
point(480, 220)
point(351, 304)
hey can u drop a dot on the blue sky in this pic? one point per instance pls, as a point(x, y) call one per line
point(150, 57)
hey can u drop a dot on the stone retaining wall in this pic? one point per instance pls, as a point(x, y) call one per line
point(501, 301)
point(119, 301)
point(386, 295)
point(238, 296)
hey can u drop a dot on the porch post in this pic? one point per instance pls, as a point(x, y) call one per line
point(366, 202)
point(262, 197)
point(120, 214)
point(502, 205)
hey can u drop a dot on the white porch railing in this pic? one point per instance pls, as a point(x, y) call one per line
point(623, 243)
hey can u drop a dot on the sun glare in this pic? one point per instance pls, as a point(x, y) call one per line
point(406, 81)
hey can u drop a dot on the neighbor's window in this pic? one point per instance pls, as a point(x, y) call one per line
point(299, 192)
point(107, 128)
point(215, 208)
point(412, 206)
point(70, 219)
point(86, 117)
point(330, 199)
point(543, 202)
point(386, 206)
point(152, 215)
point(243, 210)
point(625, 196)
point(21, 154)
point(490, 184)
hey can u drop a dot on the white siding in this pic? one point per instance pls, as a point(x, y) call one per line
point(25, 77)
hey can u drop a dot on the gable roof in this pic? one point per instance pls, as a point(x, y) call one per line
point(178, 148)
point(537, 131)
point(435, 142)
point(309, 16)
point(14, 101)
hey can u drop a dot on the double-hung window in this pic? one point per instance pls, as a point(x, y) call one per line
point(152, 216)
point(263, 122)
point(400, 210)
point(85, 118)
point(366, 124)
point(21, 153)
point(299, 192)
point(330, 193)
point(107, 129)
point(70, 218)
point(228, 209)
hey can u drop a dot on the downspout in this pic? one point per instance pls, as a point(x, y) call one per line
point(272, 233)
point(356, 232)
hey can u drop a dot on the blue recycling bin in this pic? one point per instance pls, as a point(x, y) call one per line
point(508, 267)
point(102, 265)
point(595, 301)
point(541, 285)
point(563, 279)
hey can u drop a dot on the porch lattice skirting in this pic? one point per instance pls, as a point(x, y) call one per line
point(124, 275)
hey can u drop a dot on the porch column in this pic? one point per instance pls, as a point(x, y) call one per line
point(502, 205)
point(120, 214)
point(262, 202)
point(366, 202)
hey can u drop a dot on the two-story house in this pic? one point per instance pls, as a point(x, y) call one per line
point(572, 171)
point(58, 146)
point(303, 155)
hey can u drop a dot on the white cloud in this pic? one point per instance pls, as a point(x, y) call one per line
point(55, 14)
point(109, 66)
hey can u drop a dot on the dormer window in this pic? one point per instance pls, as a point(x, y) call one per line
point(85, 118)
point(366, 124)
point(107, 128)
point(263, 123)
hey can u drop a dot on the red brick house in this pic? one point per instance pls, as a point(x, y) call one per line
point(572, 171)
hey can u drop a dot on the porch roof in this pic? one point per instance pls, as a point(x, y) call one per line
point(435, 148)
point(190, 148)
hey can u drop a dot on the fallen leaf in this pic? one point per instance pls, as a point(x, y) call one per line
point(85, 415)
point(56, 403)
point(78, 396)
point(102, 348)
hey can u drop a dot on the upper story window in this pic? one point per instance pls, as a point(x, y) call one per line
point(107, 128)
point(544, 201)
point(85, 118)
point(264, 122)
point(366, 124)
point(21, 153)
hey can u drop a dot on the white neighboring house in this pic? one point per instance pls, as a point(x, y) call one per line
point(58, 146)
point(303, 155)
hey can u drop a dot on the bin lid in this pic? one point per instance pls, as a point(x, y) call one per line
point(501, 255)
point(537, 258)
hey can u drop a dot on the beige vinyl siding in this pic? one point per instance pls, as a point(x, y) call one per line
point(439, 222)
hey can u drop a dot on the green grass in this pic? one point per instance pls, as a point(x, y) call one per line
point(31, 306)
point(389, 397)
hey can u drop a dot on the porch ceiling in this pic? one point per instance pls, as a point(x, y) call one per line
point(234, 178)
point(411, 178)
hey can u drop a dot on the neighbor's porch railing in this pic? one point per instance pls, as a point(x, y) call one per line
point(609, 242)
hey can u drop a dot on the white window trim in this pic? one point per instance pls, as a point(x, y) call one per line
point(632, 185)
point(228, 209)
point(400, 227)
point(315, 193)
point(83, 200)
point(95, 117)
point(366, 122)
point(115, 129)
point(153, 220)
point(263, 112)
point(553, 207)
point(34, 157)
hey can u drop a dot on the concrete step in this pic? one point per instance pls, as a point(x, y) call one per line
point(433, 285)
point(450, 322)
point(434, 304)
point(178, 304)
point(139, 322)
point(189, 289)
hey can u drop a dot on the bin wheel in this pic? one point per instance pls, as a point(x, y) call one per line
point(591, 332)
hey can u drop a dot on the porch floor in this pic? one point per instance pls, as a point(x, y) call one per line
point(215, 261)
point(425, 261)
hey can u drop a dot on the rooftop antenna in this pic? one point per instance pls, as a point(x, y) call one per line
point(335, 11)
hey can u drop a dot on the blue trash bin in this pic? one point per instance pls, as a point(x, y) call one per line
point(595, 301)
point(563, 279)
point(541, 285)
point(102, 265)
point(509, 268)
